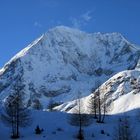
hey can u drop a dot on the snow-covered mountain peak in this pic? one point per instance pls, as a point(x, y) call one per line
point(65, 61)
point(23, 52)
point(65, 29)
point(63, 33)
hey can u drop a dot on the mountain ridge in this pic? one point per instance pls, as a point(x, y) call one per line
point(65, 61)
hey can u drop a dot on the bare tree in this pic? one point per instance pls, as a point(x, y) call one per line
point(97, 105)
point(50, 104)
point(37, 105)
point(15, 114)
point(124, 131)
point(99, 118)
point(92, 105)
point(103, 109)
point(79, 119)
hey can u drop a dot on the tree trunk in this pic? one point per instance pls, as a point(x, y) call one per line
point(99, 108)
point(95, 107)
point(104, 102)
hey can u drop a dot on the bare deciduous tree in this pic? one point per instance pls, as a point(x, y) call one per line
point(124, 131)
point(79, 119)
point(92, 105)
point(97, 105)
point(15, 114)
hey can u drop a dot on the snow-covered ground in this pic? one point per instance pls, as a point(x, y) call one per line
point(56, 126)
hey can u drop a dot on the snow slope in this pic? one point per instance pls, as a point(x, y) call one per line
point(124, 91)
point(122, 94)
point(65, 61)
point(52, 122)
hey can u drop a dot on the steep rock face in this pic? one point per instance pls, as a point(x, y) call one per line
point(121, 93)
point(65, 61)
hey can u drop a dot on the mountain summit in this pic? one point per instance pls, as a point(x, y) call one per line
point(64, 62)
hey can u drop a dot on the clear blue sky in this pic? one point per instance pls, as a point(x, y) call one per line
point(22, 21)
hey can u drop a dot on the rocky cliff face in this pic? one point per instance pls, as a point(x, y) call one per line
point(64, 61)
point(121, 93)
